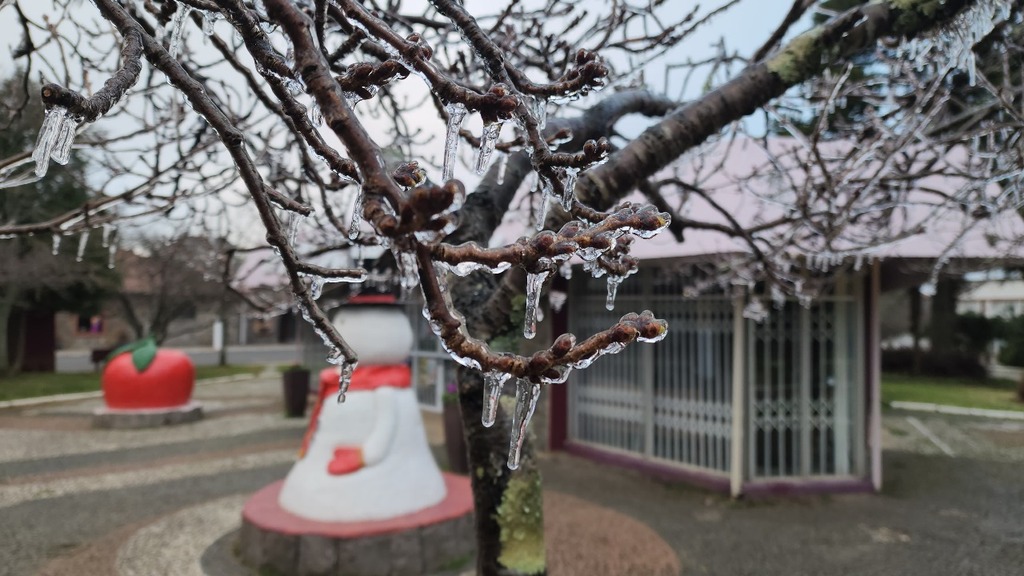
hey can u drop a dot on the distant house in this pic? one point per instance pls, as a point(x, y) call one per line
point(175, 286)
point(993, 298)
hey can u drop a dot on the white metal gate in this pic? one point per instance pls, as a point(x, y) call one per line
point(671, 401)
point(803, 365)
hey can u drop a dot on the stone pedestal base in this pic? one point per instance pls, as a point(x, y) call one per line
point(149, 418)
point(437, 538)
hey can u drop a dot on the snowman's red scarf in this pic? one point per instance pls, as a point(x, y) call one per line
point(365, 378)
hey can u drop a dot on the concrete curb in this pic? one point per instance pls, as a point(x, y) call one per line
point(958, 410)
point(41, 400)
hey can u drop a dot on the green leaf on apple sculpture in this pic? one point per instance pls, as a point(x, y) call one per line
point(143, 352)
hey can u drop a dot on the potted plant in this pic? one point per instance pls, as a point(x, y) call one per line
point(454, 440)
point(295, 379)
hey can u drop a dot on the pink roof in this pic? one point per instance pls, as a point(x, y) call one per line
point(754, 185)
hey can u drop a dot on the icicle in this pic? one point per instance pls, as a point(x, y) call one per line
point(260, 8)
point(527, 394)
point(456, 113)
point(82, 241)
point(568, 196)
point(344, 379)
point(927, 289)
point(61, 153)
point(107, 229)
point(487, 143)
point(566, 270)
point(293, 228)
point(316, 116)
point(408, 269)
point(111, 255)
point(493, 382)
point(545, 197)
point(557, 299)
point(48, 133)
point(209, 20)
point(539, 108)
point(56, 244)
point(177, 27)
point(534, 283)
point(316, 287)
point(357, 206)
point(952, 45)
point(293, 86)
point(613, 288)
point(755, 310)
point(502, 166)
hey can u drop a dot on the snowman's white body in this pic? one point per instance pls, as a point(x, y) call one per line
point(399, 475)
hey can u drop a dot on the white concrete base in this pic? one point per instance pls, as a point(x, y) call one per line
point(146, 418)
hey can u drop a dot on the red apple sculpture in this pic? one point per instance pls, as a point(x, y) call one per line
point(139, 376)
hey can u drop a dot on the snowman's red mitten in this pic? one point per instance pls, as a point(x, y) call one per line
point(347, 459)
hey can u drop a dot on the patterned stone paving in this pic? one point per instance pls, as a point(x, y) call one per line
point(78, 500)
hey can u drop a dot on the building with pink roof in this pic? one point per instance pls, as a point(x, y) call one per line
point(790, 402)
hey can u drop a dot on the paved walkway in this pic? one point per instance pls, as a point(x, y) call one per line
point(74, 500)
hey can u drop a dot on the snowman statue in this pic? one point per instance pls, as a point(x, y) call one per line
point(367, 458)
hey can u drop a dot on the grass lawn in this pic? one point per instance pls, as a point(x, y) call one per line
point(990, 394)
point(36, 384)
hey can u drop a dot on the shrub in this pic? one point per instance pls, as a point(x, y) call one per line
point(1011, 330)
point(956, 364)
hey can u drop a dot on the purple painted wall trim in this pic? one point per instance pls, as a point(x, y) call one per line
point(797, 487)
point(719, 483)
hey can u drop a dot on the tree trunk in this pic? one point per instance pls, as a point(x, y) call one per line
point(17, 359)
point(914, 294)
point(6, 308)
point(942, 327)
point(509, 503)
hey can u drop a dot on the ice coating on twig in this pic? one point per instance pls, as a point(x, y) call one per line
point(927, 289)
point(488, 140)
point(952, 45)
point(111, 255)
point(56, 244)
point(613, 348)
point(527, 394)
point(534, 283)
point(53, 120)
point(209, 20)
point(82, 241)
point(468, 267)
point(493, 382)
point(456, 114)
